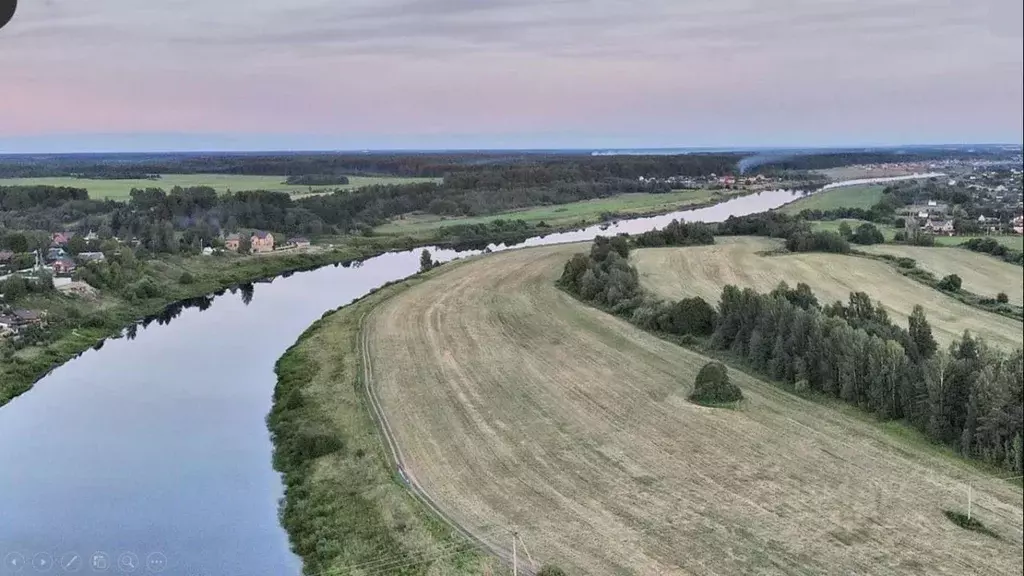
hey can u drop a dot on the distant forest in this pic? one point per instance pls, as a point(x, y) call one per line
point(435, 165)
point(185, 219)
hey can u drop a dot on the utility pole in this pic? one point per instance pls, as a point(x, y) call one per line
point(515, 558)
point(969, 494)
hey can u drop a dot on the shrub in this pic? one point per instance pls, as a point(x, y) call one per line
point(713, 386)
point(904, 262)
point(867, 234)
point(551, 570)
point(951, 283)
point(1002, 298)
point(966, 523)
point(186, 278)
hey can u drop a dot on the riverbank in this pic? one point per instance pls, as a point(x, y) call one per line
point(78, 323)
point(340, 485)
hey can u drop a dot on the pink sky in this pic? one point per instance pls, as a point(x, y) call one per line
point(380, 73)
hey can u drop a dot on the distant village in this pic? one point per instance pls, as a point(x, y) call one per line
point(997, 198)
point(60, 263)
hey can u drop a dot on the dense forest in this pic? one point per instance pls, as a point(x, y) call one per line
point(431, 164)
point(969, 396)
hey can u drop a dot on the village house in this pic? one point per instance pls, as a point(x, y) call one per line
point(6, 259)
point(64, 267)
point(940, 227)
point(262, 241)
point(232, 242)
point(18, 320)
point(299, 242)
point(55, 253)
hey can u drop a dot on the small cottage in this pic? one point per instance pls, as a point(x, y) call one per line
point(262, 241)
point(64, 267)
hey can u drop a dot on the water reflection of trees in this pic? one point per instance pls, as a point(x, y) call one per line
point(170, 312)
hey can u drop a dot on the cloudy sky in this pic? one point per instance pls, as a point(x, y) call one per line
point(92, 75)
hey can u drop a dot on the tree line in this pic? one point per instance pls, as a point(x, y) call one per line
point(968, 396)
point(427, 164)
point(797, 232)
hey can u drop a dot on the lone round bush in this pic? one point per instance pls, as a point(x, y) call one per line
point(713, 386)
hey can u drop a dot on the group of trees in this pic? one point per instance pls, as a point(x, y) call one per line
point(677, 233)
point(605, 277)
point(316, 180)
point(968, 396)
point(865, 234)
point(993, 247)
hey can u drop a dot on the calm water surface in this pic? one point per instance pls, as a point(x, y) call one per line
point(158, 444)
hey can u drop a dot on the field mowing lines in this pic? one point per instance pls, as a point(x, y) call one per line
point(704, 270)
point(398, 461)
point(515, 405)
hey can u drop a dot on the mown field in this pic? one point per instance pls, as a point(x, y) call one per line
point(517, 406)
point(833, 226)
point(704, 270)
point(863, 196)
point(981, 273)
point(1010, 241)
point(119, 189)
point(1015, 241)
point(346, 513)
point(563, 214)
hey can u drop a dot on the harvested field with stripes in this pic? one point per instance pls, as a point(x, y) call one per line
point(704, 270)
point(514, 406)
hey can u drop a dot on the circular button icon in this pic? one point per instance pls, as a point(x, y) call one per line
point(42, 562)
point(71, 562)
point(99, 561)
point(156, 562)
point(128, 562)
point(14, 562)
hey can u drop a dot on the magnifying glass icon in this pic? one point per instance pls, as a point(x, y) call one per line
point(128, 562)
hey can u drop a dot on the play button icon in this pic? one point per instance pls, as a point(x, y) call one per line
point(42, 562)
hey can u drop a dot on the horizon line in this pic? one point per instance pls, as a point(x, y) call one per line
point(610, 150)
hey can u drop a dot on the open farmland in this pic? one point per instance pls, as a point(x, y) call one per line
point(515, 406)
point(704, 270)
point(623, 205)
point(120, 189)
point(981, 273)
point(862, 196)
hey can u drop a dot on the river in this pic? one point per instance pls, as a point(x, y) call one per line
point(154, 447)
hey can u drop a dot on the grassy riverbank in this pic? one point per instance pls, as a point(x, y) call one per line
point(345, 509)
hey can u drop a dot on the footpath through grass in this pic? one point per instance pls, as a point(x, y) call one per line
point(120, 189)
